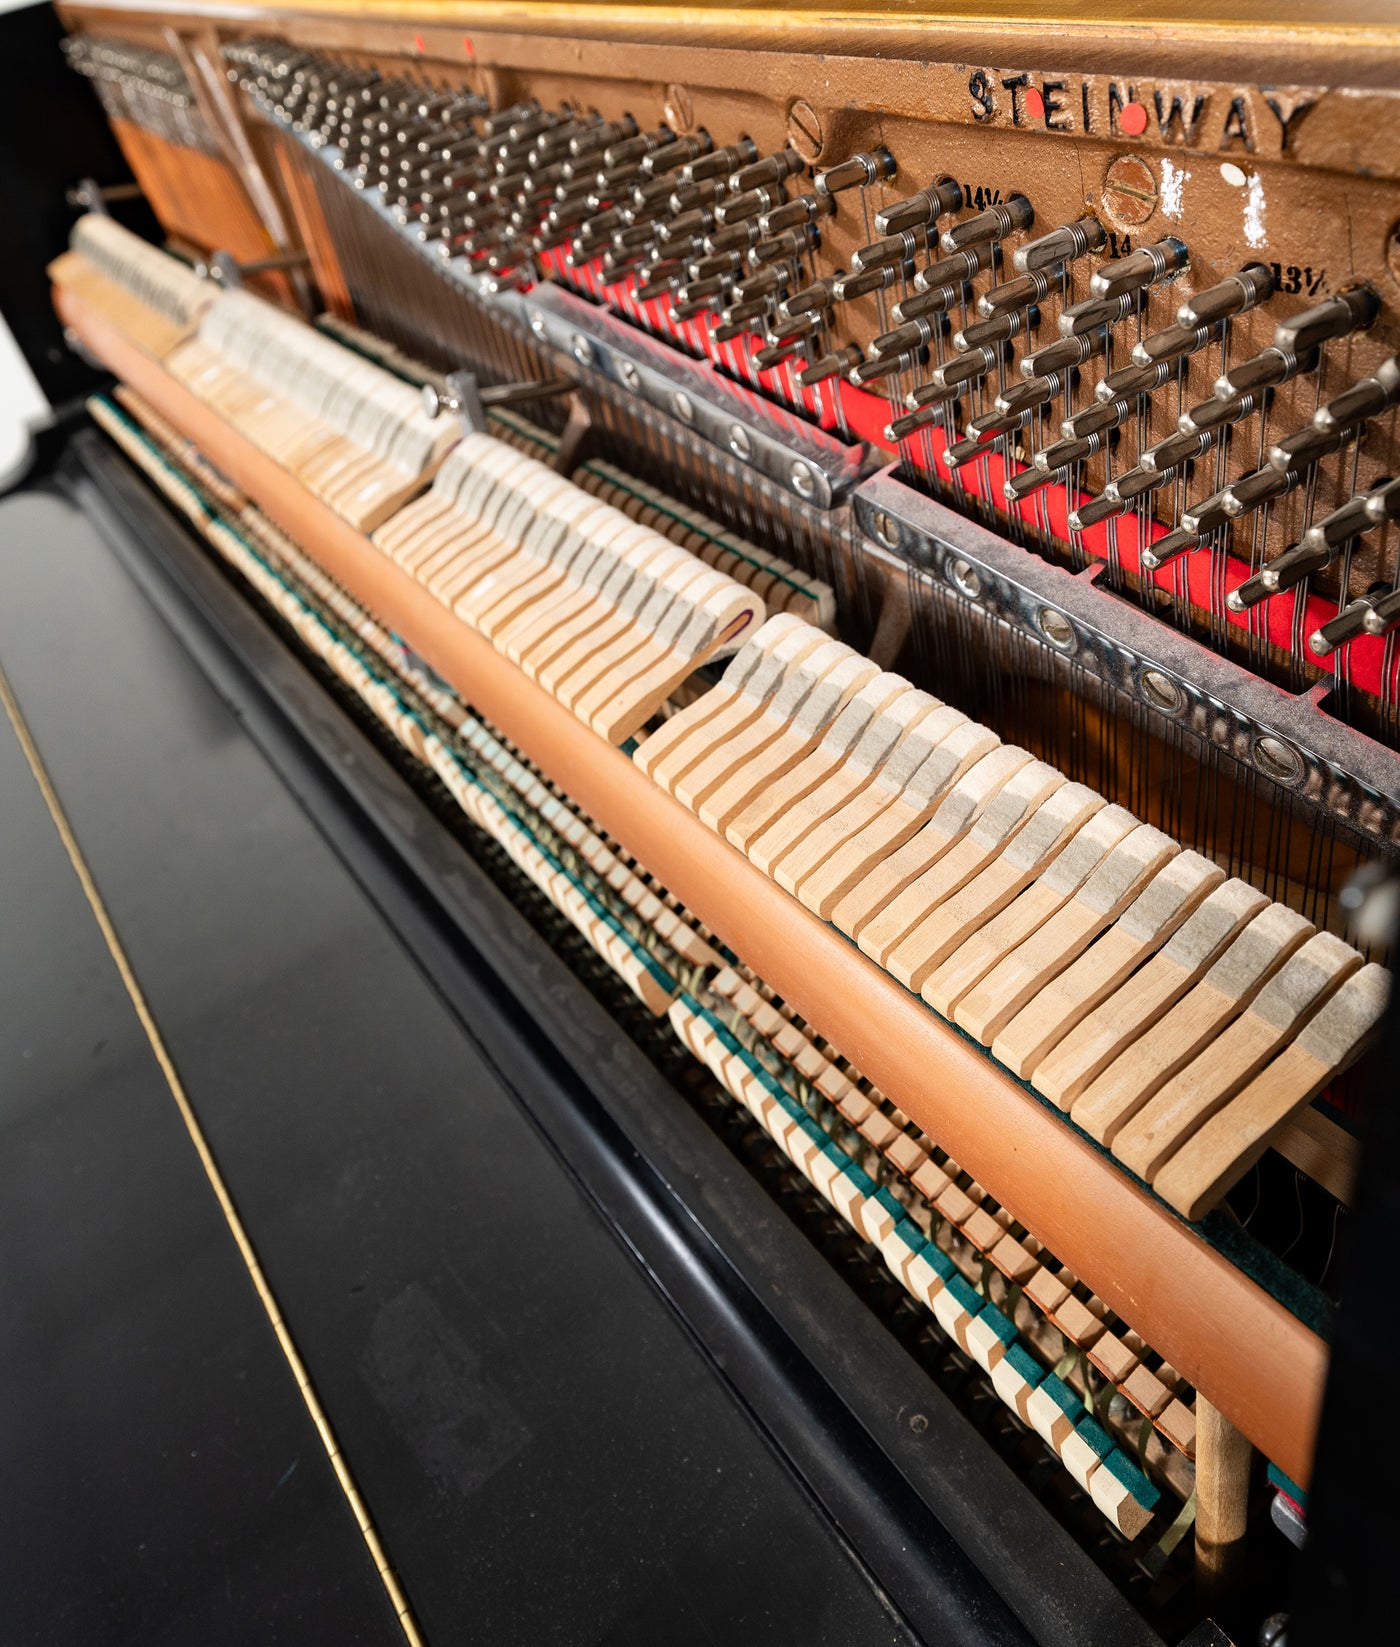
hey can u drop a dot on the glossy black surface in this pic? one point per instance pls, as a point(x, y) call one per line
point(160, 1479)
point(547, 1454)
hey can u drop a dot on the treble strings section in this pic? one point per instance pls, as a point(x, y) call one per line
point(1177, 1016)
point(1225, 446)
point(1065, 1373)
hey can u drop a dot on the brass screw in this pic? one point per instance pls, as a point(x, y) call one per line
point(678, 109)
point(804, 129)
point(1129, 191)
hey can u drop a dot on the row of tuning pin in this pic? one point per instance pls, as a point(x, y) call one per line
point(703, 229)
point(719, 232)
point(1010, 309)
point(145, 87)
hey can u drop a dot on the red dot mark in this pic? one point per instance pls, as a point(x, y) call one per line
point(418, 43)
point(1133, 119)
point(467, 46)
point(1035, 103)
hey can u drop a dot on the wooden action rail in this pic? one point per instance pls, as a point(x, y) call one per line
point(1242, 1349)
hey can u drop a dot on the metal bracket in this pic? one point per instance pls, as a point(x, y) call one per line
point(459, 392)
point(819, 468)
point(224, 269)
point(1288, 739)
point(86, 195)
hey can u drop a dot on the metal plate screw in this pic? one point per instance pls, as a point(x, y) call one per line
point(885, 529)
point(1160, 690)
point(1056, 627)
point(963, 577)
point(1278, 759)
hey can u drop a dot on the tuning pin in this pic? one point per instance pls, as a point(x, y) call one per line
point(893, 249)
point(952, 273)
point(846, 287)
point(696, 296)
point(913, 334)
point(1173, 342)
point(1384, 613)
point(1031, 391)
point(1383, 501)
point(1241, 497)
point(1245, 290)
point(773, 168)
point(670, 157)
point(1022, 293)
point(932, 394)
point(658, 279)
point(836, 364)
point(794, 331)
point(1064, 354)
point(1366, 399)
point(721, 163)
point(1309, 445)
point(992, 225)
point(792, 243)
point(615, 270)
point(768, 283)
point(1028, 481)
point(1218, 414)
point(816, 296)
point(1062, 453)
point(922, 208)
point(937, 301)
point(970, 367)
point(602, 136)
point(1334, 317)
point(738, 320)
point(885, 366)
point(1139, 269)
point(1266, 370)
point(1133, 381)
point(806, 208)
point(902, 427)
point(861, 171)
point(1351, 621)
point(739, 208)
point(774, 354)
point(987, 425)
point(719, 263)
point(1095, 312)
point(1061, 245)
point(1093, 510)
point(1104, 414)
point(685, 230)
point(1170, 454)
point(972, 447)
point(1166, 549)
point(999, 329)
